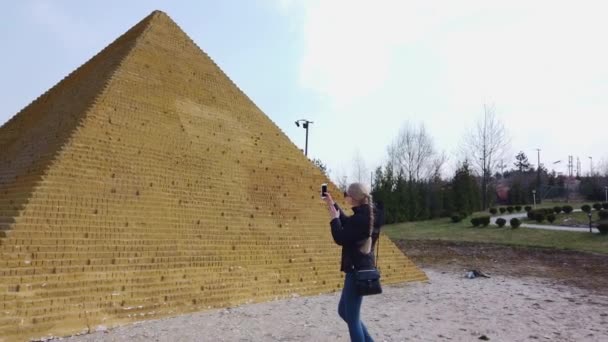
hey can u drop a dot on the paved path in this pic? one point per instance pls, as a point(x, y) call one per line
point(508, 217)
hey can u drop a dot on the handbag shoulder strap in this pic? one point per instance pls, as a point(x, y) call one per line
point(377, 251)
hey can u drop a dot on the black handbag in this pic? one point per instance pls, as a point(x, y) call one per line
point(367, 282)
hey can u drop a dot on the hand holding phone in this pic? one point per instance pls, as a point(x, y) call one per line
point(323, 190)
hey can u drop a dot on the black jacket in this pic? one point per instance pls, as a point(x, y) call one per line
point(350, 232)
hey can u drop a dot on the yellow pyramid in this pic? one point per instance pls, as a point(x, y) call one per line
point(146, 184)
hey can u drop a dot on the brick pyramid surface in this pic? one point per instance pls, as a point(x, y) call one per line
point(146, 184)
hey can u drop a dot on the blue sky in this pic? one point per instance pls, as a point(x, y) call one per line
point(359, 69)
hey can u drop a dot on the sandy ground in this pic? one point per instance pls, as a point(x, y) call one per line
point(448, 307)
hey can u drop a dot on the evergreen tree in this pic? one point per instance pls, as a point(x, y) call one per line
point(318, 163)
point(522, 164)
point(465, 190)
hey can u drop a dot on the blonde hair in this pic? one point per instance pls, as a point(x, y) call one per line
point(360, 195)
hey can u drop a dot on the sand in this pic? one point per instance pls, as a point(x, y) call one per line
point(447, 308)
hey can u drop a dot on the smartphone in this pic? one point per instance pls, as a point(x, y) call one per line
point(323, 190)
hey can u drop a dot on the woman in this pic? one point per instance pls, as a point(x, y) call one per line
point(353, 233)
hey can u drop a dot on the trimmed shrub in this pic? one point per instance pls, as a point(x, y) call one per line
point(603, 228)
point(518, 208)
point(501, 222)
point(539, 216)
point(597, 206)
point(557, 209)
point(464, 215)
point(603, 214)
point(605, 205)
point(515, 222)
point(510, 209)
point(527, 208)
point(456, 218)
point(475, 222)
point(586, 208)
point(530, 215)
point(502, 210)
point(493, 211)
point(567, 209)
point(551, 218)
point(484, 221)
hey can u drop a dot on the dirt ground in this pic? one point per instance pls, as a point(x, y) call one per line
point(587, 271)
point(533, 294)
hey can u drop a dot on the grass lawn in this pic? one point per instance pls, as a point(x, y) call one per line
point(444, 229)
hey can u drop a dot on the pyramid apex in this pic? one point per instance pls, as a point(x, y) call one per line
point(158, 13)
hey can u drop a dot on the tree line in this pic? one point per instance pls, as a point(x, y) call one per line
point(411, 185)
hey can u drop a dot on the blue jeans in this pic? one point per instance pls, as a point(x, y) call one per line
point(350, 309)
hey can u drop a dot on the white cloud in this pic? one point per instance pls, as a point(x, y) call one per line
point(380, 63)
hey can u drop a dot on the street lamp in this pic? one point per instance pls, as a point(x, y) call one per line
point(534, 196)
point(589, 215)
point(538, 173)
point(305, 124)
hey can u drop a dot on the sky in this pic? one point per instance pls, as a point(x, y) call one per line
point(360, 70)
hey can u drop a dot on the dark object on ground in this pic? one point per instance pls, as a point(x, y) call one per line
point(501, 222)
point(475, 274)
point(484, 338)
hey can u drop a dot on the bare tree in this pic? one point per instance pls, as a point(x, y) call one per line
point(340, 179)
point(602, 168)
point(437, 164)
point(412, 152)
point(360, 173)
point(485, 146)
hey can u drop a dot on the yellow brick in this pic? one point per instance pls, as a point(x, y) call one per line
point(146, 184)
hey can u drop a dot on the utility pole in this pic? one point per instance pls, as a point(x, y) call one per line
point(538, 177)
point(305, 124)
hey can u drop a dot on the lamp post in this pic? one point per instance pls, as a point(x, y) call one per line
point(305, 124)
point(589, 215)
point(534, 196)
point(538, 174)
